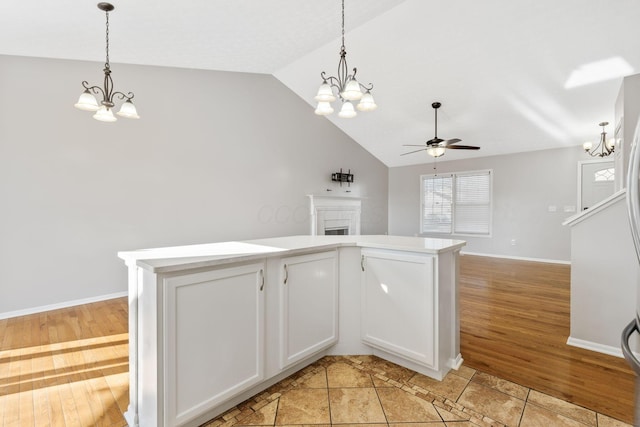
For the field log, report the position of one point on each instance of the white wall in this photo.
(604, 277)
(524, 186)
(216, 156)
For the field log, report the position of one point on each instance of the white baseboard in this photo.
(593, 346)
(59, 305)
(550, 261)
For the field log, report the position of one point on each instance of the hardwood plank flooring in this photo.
(66, 367)
(514, 322)
(69, 367)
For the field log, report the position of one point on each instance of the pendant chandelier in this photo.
(604, 147)
(347, 87)
(88, 101)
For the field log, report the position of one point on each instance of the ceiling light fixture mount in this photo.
(347, 87)
(88, 101)
(604, 147)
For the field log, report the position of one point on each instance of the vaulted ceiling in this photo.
(512, 76)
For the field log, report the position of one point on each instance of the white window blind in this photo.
(437, 204)
(458, 203)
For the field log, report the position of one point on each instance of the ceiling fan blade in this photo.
(411, 152)
(462, 147)
(450, 141)
(413, 145)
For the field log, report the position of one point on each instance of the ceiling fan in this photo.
(436, 146)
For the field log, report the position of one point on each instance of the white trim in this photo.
(521, 258)
(601, 205)
(593, 346)
(56, 306)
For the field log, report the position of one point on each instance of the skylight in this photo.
(598, 71)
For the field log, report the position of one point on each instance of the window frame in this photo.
(454, 176)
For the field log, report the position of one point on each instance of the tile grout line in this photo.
(442, 402)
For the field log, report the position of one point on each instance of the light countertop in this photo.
(164, 260)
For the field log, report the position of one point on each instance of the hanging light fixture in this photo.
(88, 101)
(604, 147)
(347, 87)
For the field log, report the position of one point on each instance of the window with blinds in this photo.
(457, 203)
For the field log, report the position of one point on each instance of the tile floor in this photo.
(349, 390)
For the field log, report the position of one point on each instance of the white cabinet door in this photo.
(398, 304)
(308, 304)
(203, 369)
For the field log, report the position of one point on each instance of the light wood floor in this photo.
(514, 324)
(69, 367)
(66, 367)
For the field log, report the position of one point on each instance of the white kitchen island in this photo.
(211, 325)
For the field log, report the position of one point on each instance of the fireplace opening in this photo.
(336, 231)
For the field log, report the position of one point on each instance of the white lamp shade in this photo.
(435, 151)
(352, 90)
(367, 103)
(87, 102)
(323, 108)
(128, 110)
(611, 143)
(325, 93)
(104, 114)
(347, 111)
(587, 146)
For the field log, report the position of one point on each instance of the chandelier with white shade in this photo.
(348, 89)
(604, 148)
(88, 101)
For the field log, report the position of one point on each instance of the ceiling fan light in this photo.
(128, 110)
(87, 102)
(435, 151)
(325, 93)
(347, 111)
(352, 91)
(323, 108)
(367, 103)
(104, 114)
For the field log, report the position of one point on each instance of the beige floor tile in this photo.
(401, 407)
(264, 416)
(377, 382)
(578, 413)
(361, 425)
(418, 425)
(303, 406)
(317, 380)
(355, 405)
(512, 389)
(535, 416)
(450, 416)
(465, 372)
(461, 424)
(342, 375)
(391, 370)
(450, 387)
(492, 403)
(604, 421)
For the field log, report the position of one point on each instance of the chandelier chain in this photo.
(343, 24)
(107, 39)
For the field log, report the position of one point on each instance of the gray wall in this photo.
(524, 186)
(216, 156)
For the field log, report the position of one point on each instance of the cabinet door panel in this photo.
(398, 304)
(212, 367)
(309, 316)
